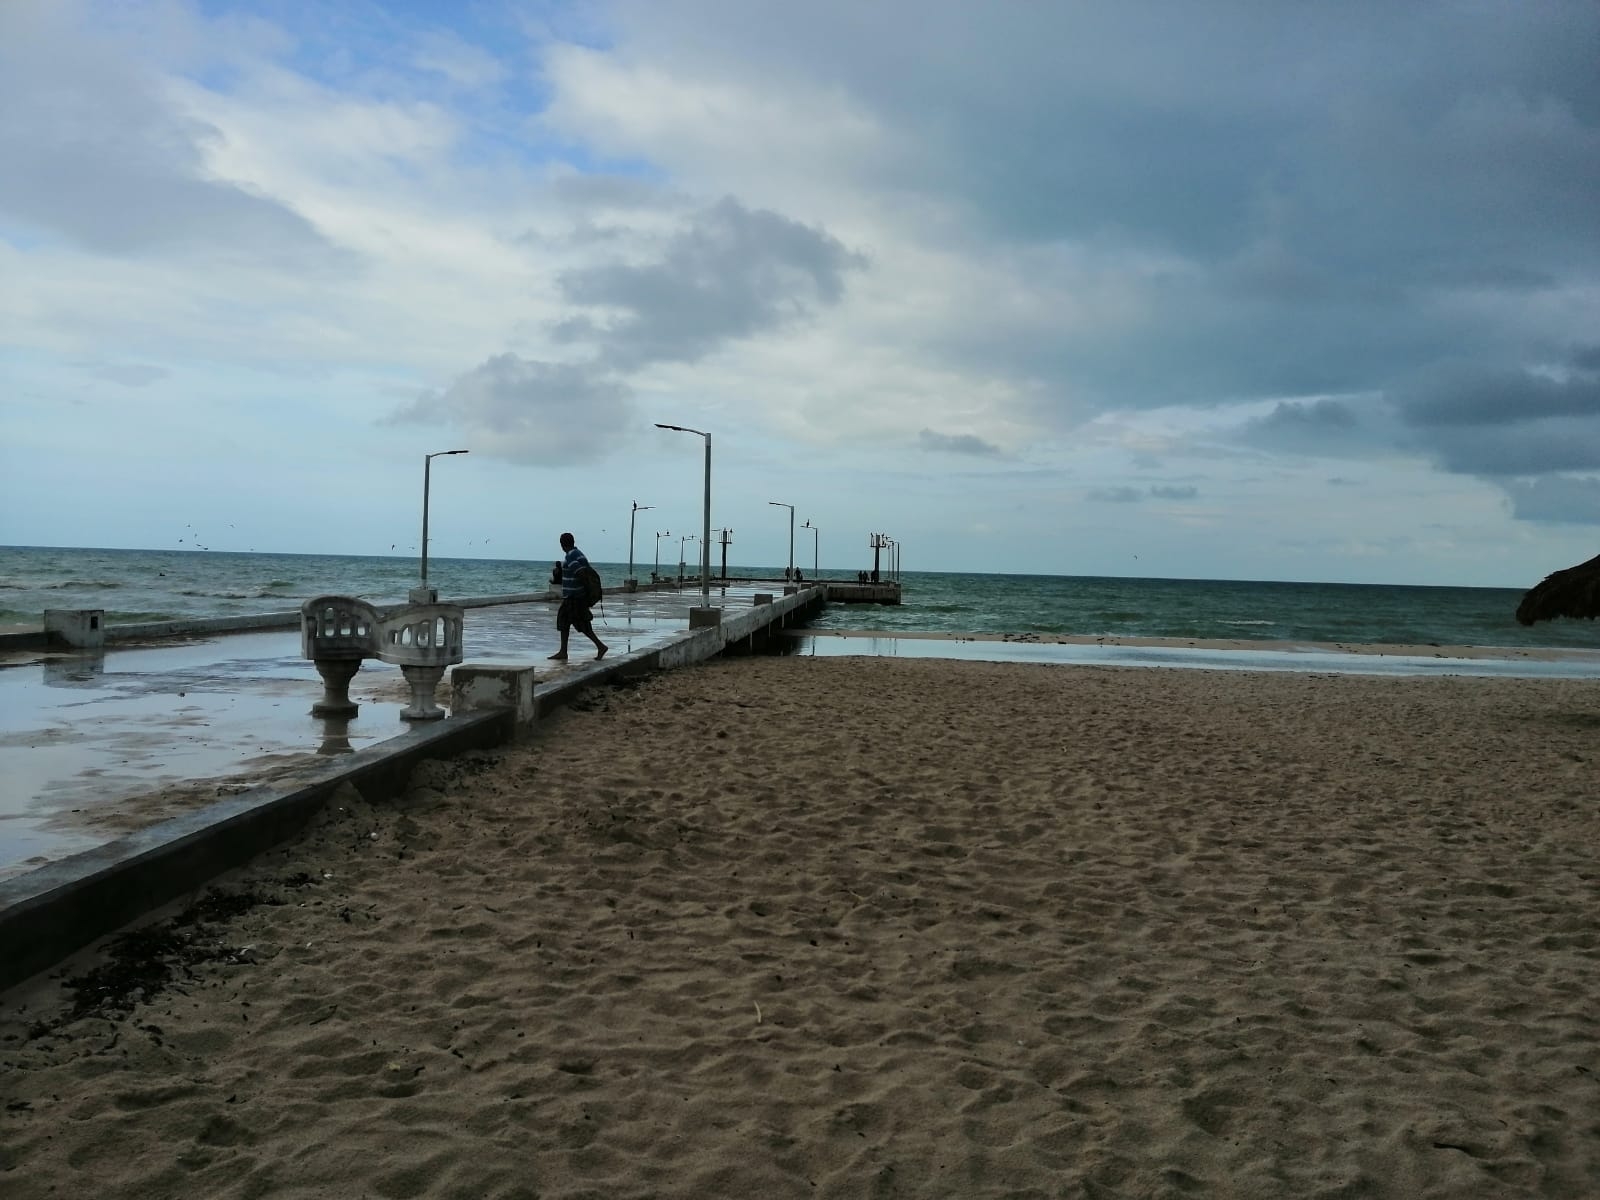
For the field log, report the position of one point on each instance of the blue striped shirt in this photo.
(569, 572)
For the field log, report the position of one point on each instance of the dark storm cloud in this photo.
(552, 414)
(1498, 396)
(959, 443)
(1556, 500)
(1313, 199)
(730, 273)
(1499, 424)
(1328, 426)
(92, 149)
(1529, 448)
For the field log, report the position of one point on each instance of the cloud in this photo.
(133, 375)
(552, 414)
(961, 443)
(1499, 396)
(1493, 421)
(1133, 495)
(1556, 500)
(98, 151)
(730, 273)
(457, 60)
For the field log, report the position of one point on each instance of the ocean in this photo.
(157, 585)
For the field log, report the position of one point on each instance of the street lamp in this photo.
(688, 537)
(790, 507)
(656, 574)
(427, 472)
(816, 541)
(637, 509)
(705, 538)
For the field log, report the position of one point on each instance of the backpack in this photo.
(589, 578)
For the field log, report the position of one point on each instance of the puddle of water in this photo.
(84, 735)
(1307, 660)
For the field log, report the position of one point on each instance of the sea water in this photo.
(157, 585)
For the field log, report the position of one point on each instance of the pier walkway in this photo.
(114, 757)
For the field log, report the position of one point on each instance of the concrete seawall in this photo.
(36, 637)
(54, 910)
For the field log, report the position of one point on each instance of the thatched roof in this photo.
(1574, 592)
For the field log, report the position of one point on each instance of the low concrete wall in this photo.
(50, 912)
(40, 638)
(886, 592)
(57, 909)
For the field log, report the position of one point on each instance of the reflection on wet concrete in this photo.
(74, 670)
(92, 745)
(335, 737)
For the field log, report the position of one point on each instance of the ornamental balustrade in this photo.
(422, 639)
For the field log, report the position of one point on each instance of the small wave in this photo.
(1246, 622)
(218, 595)
(93, 585)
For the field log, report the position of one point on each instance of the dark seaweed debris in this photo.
(143, 963)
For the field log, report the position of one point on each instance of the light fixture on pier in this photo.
(705, 537)
(427, 472)
(790, 507)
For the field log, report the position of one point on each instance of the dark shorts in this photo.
(573, 614)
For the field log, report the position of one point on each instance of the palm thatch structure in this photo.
(1574, 592)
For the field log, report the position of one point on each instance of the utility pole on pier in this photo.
(726, 537)
(878, 541)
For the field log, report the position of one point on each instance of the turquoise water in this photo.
(149, 585)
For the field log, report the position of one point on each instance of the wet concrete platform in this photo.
(94, 745)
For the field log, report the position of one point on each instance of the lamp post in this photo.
(816, 541)
(637, 509)
(688, 537)
(705, 537)
(879, 542)
(790, 507)
(427, 474)
(725, 537)
(659, 535)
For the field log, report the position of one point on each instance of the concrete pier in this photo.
(50, 911)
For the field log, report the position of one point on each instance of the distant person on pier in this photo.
(574, 610)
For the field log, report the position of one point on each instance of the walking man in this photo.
(574, 610)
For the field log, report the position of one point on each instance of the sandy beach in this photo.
(873, 928)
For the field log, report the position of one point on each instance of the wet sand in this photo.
(1240, 645)
(821, 927)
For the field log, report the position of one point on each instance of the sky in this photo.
(1223, 290)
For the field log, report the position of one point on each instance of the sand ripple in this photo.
(815, 927)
